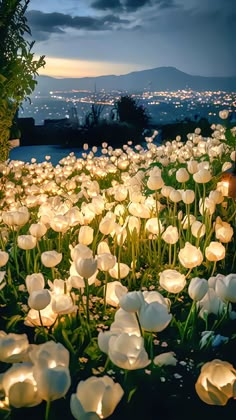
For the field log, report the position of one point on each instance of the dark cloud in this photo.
(114, 5)
(130, 5)
(44, 24)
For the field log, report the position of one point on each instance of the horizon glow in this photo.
(75, 68)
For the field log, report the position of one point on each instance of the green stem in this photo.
(118, 261)
(105, 293)
(87, 299)
(43, 328)
(213, 269)
(139, 325)
(175, 255)
(192, 314)
(47, 411)
(27, 258)
(170, 254)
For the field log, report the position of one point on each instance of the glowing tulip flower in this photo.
(13, 347)
(133, 224)
(198, 229)
(107, 224)
(103, 248)
(175, 196)
(170, 235)
(53, 382)
(16, 218)
(197, 288)
(34, 281)
(48, 317)
(223, 230)
(182, 175)
(216, 382)
(172, 281)
(63, 304)
(188, 221)
(192, 166)
(80, 251)
(188, 196)
(38, 230)
(206, 206)
(49, 354)
(95, 398)
(26, 242)
(139, 210)
(154, 316)
(120, 193)
(115, 290)
(165, 359)
(132, 301)
(190, 256)
(4, 257)
(155, 182)
(154, 296)
(125, 322)
(225, 287)
(86, 267)
(20, 387)
(154, 226)
(166, 190)
(106, 261)
(74, 216)
(215, 251)
(85, 235)
(51, 258)
(120, 234)
(216, 196)
(39, 299)
(211, 304)
(59, 223)
(77, 281)
(119, 271)
(128, 352)
(202, 176)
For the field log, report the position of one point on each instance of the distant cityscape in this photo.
(163, 106)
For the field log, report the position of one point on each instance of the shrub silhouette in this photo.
(128, 110)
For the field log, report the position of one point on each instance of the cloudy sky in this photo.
(98, 37)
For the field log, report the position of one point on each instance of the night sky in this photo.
(99, 37)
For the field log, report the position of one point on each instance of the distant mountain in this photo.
(158, 79)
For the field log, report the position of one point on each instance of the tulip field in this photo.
(118, 282)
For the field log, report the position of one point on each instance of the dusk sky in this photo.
(99, 37)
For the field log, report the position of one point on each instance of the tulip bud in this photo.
(34, 282)
(215, 251)
(51, 258)
(52, 383)
(197, 289)
(225, 287)
(132, 301)
(106, 261)
(26, 242)
(37, 230)
(155, 182)
(170, 235)
(182, 175)
(39, 299)
(86, 267)
(172, 281)
(85, 235)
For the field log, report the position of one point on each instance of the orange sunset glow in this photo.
(64, 67)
